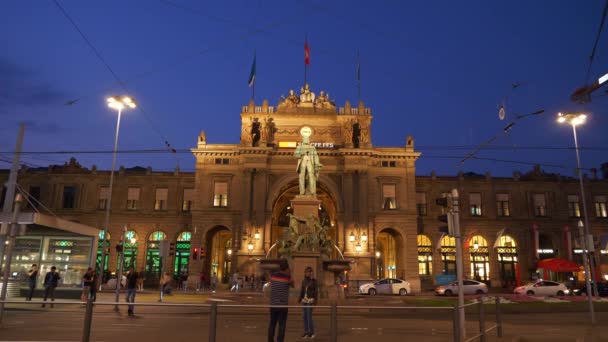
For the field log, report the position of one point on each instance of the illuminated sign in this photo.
(545, 251)
(293, 144)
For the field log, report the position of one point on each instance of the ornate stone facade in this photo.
(380, 214)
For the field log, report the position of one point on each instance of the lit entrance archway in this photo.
(389, 242)
(425, 257)
(219, 245)
(448, 255)
(153, 254)
(100, 247)
(182, 254)
(507, 260)
(282, 207)
(130, 250)
(480, 258)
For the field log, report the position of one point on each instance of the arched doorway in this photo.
(182, 254)
(219, 245)
(100, 247)
(507, 260)
(425, 257)
(480, 258)
(448, 255)
(282, 206)
(130, 250)
(153, 254)
(389, 243)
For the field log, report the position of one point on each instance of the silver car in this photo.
(470, 287)
(386, 286)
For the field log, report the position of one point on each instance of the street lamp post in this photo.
(117, 103)
(575, 119)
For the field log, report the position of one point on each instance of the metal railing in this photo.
(333, 314)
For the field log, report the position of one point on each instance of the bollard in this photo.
(212, 322)
(333, 326)
(498, 318)
(88, 318)
(455, 324)
(482, 321)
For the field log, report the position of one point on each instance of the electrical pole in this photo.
(459, 263)
(14, 227)
(121, 261)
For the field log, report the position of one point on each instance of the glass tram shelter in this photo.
(51, 241)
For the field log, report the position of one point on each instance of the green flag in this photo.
(252, 73)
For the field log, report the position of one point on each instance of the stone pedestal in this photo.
(305, 205)
(298, 264)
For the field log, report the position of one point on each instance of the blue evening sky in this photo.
(432, 69)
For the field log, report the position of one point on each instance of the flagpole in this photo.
(358, 76)
(306, 58)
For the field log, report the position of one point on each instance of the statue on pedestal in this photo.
(308, 166)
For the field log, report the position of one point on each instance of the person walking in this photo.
(235, 282)
(165, 286)
(213, 282)
(32, 279)
(308, 298)
(131, 290)
(51, 280)
(93, 293)
(280, 282)
(87, 283)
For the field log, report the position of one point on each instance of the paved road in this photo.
(64, 323)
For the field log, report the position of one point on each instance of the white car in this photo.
(386, 286)
(470, 287)
(543, 288)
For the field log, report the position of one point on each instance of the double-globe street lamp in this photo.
(117, 103)
(575, 119)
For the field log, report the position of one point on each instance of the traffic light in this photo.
(195, 253)
(447, 215)
(171, 249)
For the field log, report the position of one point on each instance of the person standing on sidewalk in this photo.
(214, 281)
(280, 282)
(51, 280)
(308, 298)
(87, 283)
(131, 290)
(32, 279)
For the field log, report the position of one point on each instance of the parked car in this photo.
(386, 286)
(543, 288)
(470, 287)
(602, 289)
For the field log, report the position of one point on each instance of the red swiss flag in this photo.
(306, 52)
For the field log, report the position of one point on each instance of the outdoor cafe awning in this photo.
(558, 265)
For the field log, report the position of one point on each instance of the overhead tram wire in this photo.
(115, 75)
(597, 40)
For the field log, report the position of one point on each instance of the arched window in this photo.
(425, 256)
(100, 247)
(130, 250)
(507, 259)
(153, 255)
(157, 236)
(182, 254)
(448, 255)
(480, 258)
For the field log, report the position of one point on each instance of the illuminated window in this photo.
(600, 206)
(448, 255)
(421, 203)
(480, 258)
(540, 205)
(133, 198)
(161, 199)
(104, 195)
(502, 205)
(425, 256)
(475, 203)
(388, 194)
(188, 200)
(220, 194)
(574, 209)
